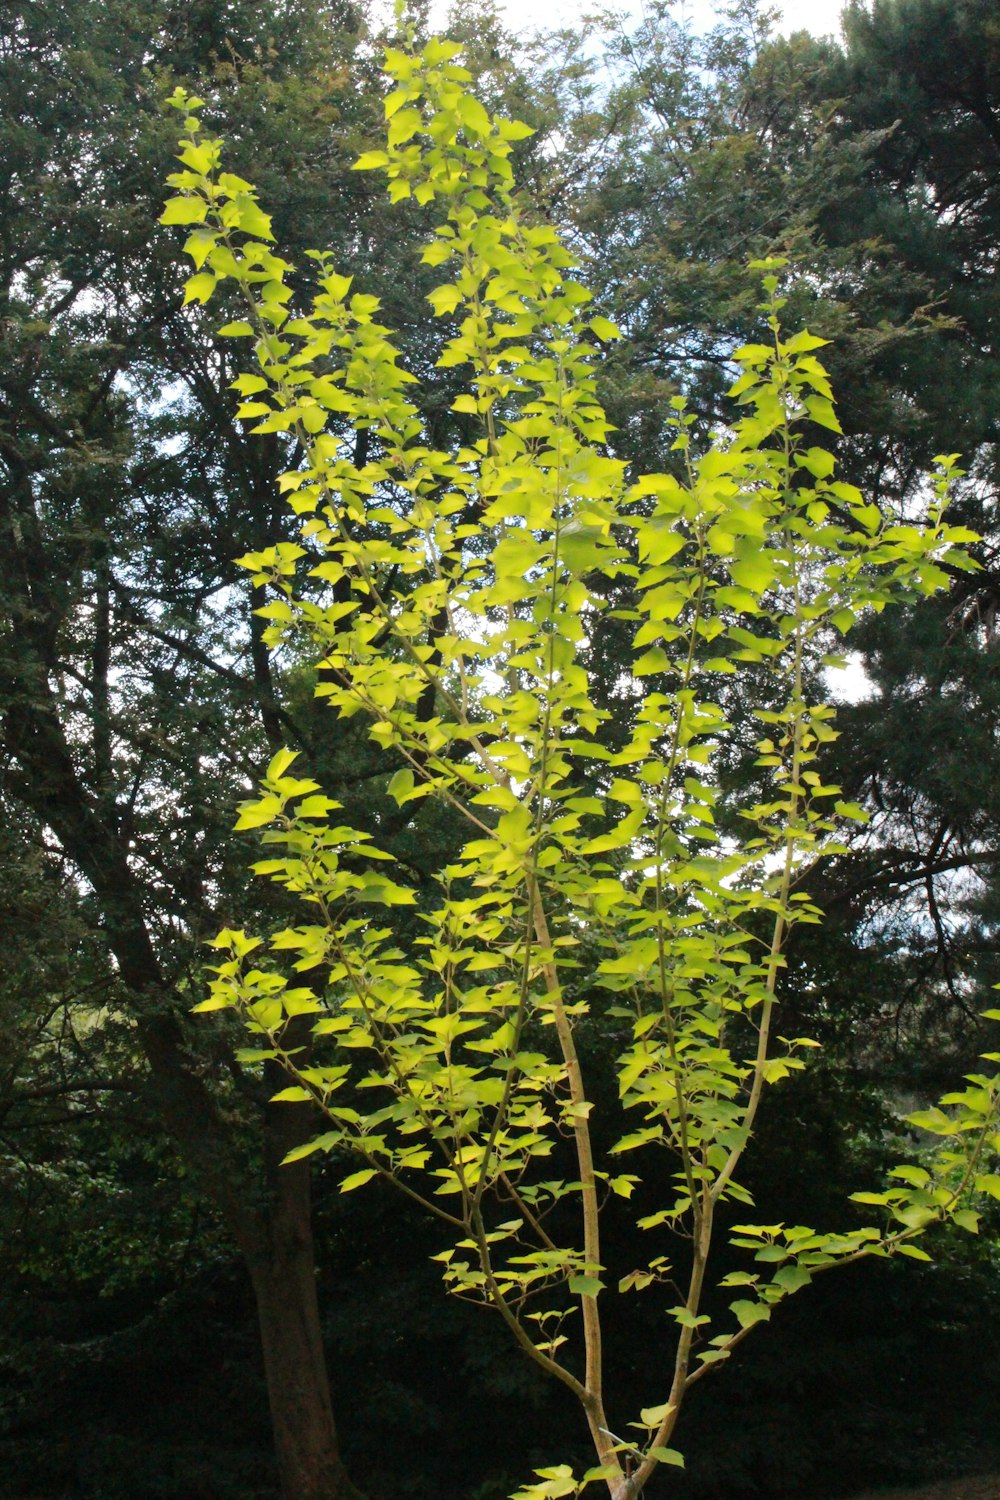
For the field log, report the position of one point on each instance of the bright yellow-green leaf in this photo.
(473, 116)
(321, 1143)
(252, 220)
(585, 1286)
(401, 785)
(184, 211)
(200, 287)
(444, 299)
(257, 814)
(817, 461)
(652, 1416)
(514, 130)
(821, 411)
(357, 1179)
(604, 328)
(369, 160)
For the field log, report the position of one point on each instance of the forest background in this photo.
(158, 1297)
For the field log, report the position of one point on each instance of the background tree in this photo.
(136, 694)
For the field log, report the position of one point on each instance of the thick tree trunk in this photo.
(283, 1272)
(273, 1230)
(305, 1438)
(276, 1242)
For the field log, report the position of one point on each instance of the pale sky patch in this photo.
(849, 683)
(821, 17)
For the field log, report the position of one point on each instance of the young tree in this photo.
(455, 589)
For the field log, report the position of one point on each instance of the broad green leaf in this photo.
(913, 1252)
(257, 814)
(670, 1456)
(401, 785)
(652, 1416)
(748, 1314)
(604, 328)
(585, 1286)
(473, 116)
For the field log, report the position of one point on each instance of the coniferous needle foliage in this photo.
(452, 595)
